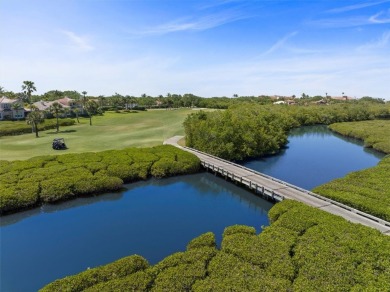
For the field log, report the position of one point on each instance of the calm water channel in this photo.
(158, 217)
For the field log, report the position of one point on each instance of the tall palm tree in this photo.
(56, 108)
(84, 99)
(34, 118)
(28, 87)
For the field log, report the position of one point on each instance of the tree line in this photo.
(251, 130)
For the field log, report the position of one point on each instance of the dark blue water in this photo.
(153, 219)
(314, 156)
(158, 217)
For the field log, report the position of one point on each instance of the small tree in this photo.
(56, 108)
(35, 118)
(77, 112)
(92, 108)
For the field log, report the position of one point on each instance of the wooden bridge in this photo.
(278, 190)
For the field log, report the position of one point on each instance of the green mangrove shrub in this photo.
(48, 179)
(304, 249)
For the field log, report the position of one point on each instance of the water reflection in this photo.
(316, 155)
(61, 206)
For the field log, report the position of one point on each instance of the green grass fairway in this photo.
(111, 131)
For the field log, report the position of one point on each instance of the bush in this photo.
(139, 281)
(204, 240)
(118, 269)
(56, 189)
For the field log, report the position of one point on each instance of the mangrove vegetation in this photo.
(304, 249)
(53, 178)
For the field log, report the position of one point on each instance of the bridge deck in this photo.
(278, 190)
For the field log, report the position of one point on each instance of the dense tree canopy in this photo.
(252, 130)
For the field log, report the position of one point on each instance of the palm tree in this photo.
(17, 106)
(34, 118)
(56, 109)
(84, 99)
(28, 87)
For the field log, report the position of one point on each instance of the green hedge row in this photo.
(20, 127)
(47, 179)
(304, 249)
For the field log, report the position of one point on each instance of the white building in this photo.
(8, 109)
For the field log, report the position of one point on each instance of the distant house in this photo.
(344, 97)
(8, 111)
(43, 105)
(66, 102)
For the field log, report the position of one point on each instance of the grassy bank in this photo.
(111, 131)
(304, 249)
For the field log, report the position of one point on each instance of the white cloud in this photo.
(380, 43)
(381, 17)
(356, 6)
(193, 24)
(280, 43)
(77, 41)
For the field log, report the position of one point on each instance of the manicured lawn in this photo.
(111, 131)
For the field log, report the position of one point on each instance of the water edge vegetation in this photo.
(49, 179)
(304, 249)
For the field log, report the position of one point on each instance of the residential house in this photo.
(344, 97)
(8, 111)
(66, 102)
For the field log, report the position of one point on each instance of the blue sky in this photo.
(208, 48)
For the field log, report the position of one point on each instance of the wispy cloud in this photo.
(280, 43)
(194, 24)
(356, 6)
(380, 43)
(77, 41)
(219, 3)
(381, 17)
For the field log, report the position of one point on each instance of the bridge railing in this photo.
(341, 205)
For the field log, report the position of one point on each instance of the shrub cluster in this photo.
(119, 269)
(366, 190)
(48, 179)
(20, 127)
(304, 249)
(375, 133)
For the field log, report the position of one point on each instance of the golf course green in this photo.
(109, 131)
